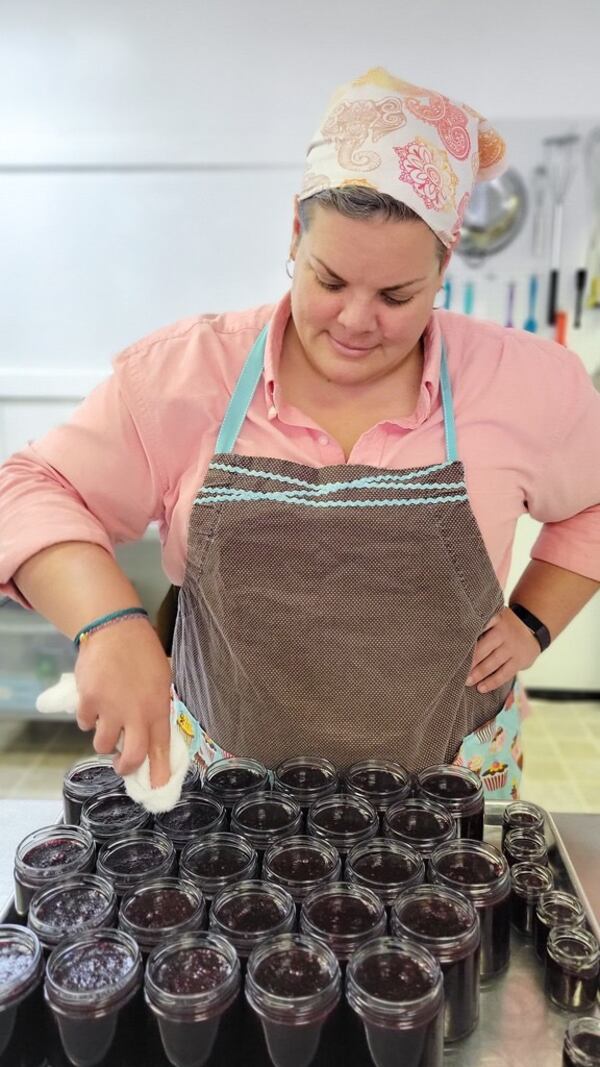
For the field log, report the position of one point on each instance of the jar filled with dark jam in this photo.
(445, 922)
(528, 882)
(190, 982)
(89, 980)
(160, 909)
(381, 782)
(460, 791)
(86, 779)
(192, 783)
(525, 846)
(481, 872)
(384, 866)
(582, 1043)
(344, 821)
(21, 969)
(396, 988)
(48, 855)
(81, 902)
(344, 916)
(218, 861)
(231, 779)
(193, 815)
(300, 864)
(134, 858)
(422, 824)
(522, 815)
(306, 779)
(293, 985)
(554, 909)
(264, 818)
(110, 815)
(249, 912)
(572, 968)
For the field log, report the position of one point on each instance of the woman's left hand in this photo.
(505, 648)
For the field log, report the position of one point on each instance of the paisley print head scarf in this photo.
(414, 144)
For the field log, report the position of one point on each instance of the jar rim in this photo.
(575, 1028)
(376, 1009)
(464, 941)
(590, 956)
(491, 891)
(151, 934)
(46, 834)
(78, 790)
(302, 1008)
(12, 993)
(49, 933)
(247, 888)
(196, 1004)
(264, 796)
(343, 943)
(520, 871)
(559, 896)
(108, 997)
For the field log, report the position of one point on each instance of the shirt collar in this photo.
(430, 381)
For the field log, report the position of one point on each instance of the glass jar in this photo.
(192, 783)
(344, 916)
(554, 909)
(384, 866)
(86, 779)
(48, 855)
(89, 980)
(528, 882)
(396, 987)
(82, 902)
(300, 864)
(22, 969)
(193, 815)
(481, 872)
(522, 815)
(264, 818)
(446, 923)
(249, 912)
(582, 1043)
(190, 982)
(293, 985)
(420, 823)
(572, 968)
(460, 791)
(110, 815)
(132, 859)
(162, 908)
(217, 861)
(306, 779)
(228, 780)
(381, 782)
(525, 846)
(344, 821)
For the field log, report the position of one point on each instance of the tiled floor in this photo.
(561, 743)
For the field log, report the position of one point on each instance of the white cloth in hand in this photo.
(63, 697)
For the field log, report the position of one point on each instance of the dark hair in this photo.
(359, 202)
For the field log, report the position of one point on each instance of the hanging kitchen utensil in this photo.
(561, 321)
(580, 284)
(530, 323)
(495, 215)
(592, 170)
(539, 197)
(561, 164)
(510, 310)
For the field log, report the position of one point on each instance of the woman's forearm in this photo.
(553, 594)
(74, 582)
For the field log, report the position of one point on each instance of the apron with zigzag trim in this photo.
(333, 610)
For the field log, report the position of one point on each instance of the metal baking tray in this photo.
(518, 1026)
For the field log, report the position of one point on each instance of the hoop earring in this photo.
(289, 267)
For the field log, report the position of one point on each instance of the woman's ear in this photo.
(296, 231)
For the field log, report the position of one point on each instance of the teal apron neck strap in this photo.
(251, 374)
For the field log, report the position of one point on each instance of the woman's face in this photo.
(362, 293)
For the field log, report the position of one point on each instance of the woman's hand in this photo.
(123, 681)
(505, 648)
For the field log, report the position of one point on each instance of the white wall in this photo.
(149, 151)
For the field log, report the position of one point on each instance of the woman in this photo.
(349, 466)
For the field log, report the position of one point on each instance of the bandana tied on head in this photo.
(412, 143)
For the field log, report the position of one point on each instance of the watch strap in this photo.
(539, 631)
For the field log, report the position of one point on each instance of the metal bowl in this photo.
(496, 213)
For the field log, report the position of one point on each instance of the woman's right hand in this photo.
(123, 681)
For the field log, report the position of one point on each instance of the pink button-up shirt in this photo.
(137, 449)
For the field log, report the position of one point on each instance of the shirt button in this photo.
(272, 412)
(323, 439)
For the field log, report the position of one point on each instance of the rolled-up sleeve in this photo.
(566, 495)
(92, 479)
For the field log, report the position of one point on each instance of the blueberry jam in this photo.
(390, 976)
(300, 863)
(217, 861)
(192, 970)
(447, 786)
(72, 908)
(136, 856)
(93, 966)
(294, 972)
(53, 853)
(250, 914)
(435, 917)
(469, 869)
(304, 777)
(342, 914)
(157, 908)
(265, 815)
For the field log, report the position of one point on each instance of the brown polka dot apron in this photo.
(332, 610)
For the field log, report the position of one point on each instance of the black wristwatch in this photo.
(539, 631)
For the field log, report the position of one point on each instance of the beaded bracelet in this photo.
(108, 620)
